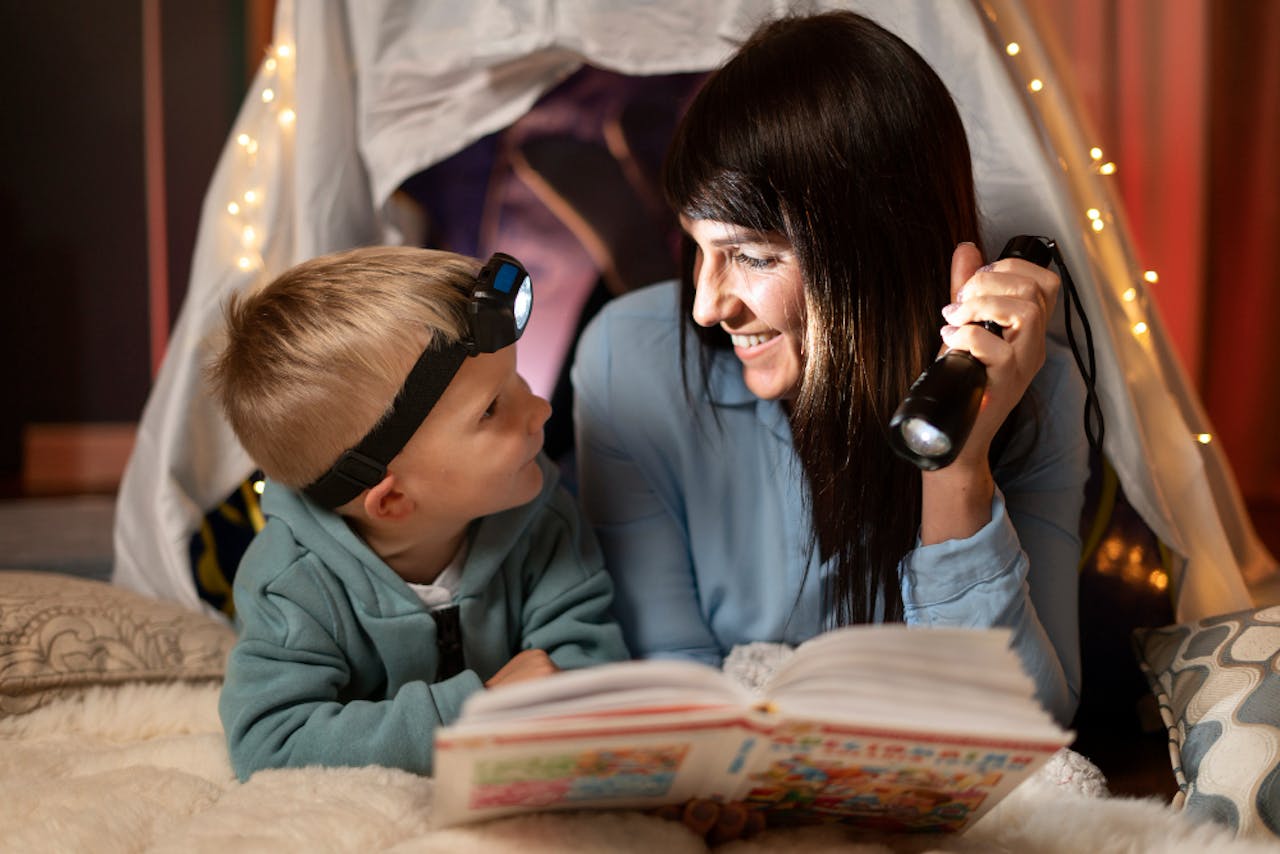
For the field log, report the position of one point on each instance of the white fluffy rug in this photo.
(144, 768)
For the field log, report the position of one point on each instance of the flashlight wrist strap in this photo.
(365, 465)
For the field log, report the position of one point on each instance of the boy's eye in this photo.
(754, 262)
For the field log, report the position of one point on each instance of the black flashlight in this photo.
(931, 424)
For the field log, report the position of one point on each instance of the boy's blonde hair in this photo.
(313, 361)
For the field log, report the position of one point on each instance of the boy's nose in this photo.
(540, 411)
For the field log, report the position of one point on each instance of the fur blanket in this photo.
(144, 768)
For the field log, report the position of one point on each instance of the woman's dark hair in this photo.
(833, 132)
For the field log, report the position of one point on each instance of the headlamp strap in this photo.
(365, 465)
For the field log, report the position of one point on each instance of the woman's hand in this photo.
(715, 822)
(529, 664)
(1019, 296)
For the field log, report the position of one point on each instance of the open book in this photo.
(889, 727)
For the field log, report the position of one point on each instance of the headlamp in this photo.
(501, 302)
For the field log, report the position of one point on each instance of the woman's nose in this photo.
(711, 295)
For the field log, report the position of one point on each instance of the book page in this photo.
(958, 681)
(629, 685)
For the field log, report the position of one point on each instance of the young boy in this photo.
(417, 547)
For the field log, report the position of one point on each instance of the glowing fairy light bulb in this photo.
(1159, 580)
(287, 116)
(250, 197)
(1095, 153)
(233, 208)
(270, 64)
(244, 139)
(268, 95)
(1204, 438)
(1130, 295)
(259, 486)
(1107, 168)
(1013, 48)
(284, 51)
(245, 263)
(1036, 84)
(248, 236)
(1093, 213)
(1140, 328)
(1150, 277)
(1098, 225)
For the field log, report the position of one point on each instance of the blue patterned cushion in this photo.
(1218, 685)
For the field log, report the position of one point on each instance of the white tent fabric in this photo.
(357, 96)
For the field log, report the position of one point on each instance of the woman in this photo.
(735, 463)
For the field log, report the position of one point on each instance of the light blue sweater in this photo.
(337, 657)
(698, 504)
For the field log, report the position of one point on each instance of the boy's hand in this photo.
(530, 664)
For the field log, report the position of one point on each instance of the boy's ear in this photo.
(387, 501)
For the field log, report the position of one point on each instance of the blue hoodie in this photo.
(337, 656)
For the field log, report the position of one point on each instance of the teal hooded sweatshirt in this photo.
(336, 658)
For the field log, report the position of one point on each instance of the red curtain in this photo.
(1185, 98)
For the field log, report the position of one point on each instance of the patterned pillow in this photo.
(1218, 685)
(60, 634)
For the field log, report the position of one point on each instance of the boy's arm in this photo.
(286, 699)
(568, 595)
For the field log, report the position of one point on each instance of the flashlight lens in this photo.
(524, 304)
(925, 439)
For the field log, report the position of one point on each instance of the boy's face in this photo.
(476, 453)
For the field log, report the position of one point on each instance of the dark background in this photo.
(74, 340)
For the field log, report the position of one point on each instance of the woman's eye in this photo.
(754, 262)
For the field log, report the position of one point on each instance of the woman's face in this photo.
(749, 284)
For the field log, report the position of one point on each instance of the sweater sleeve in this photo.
(1021, 569)
(285, 700)
(567, 610)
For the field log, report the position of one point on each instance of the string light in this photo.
(246, 204)
(1095, 153)
(1151, 277)
(1159, 580)
(1130, 295)
(1140, 327)
(259, 486)
(1036, 84)
(1204, 438)
(1012, 48)
(1098, 225)
(1093, 213)
(1108, 168)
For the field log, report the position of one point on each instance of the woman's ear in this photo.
(387, 501)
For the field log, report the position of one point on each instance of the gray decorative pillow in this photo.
(1218, 685)
(60, 634)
